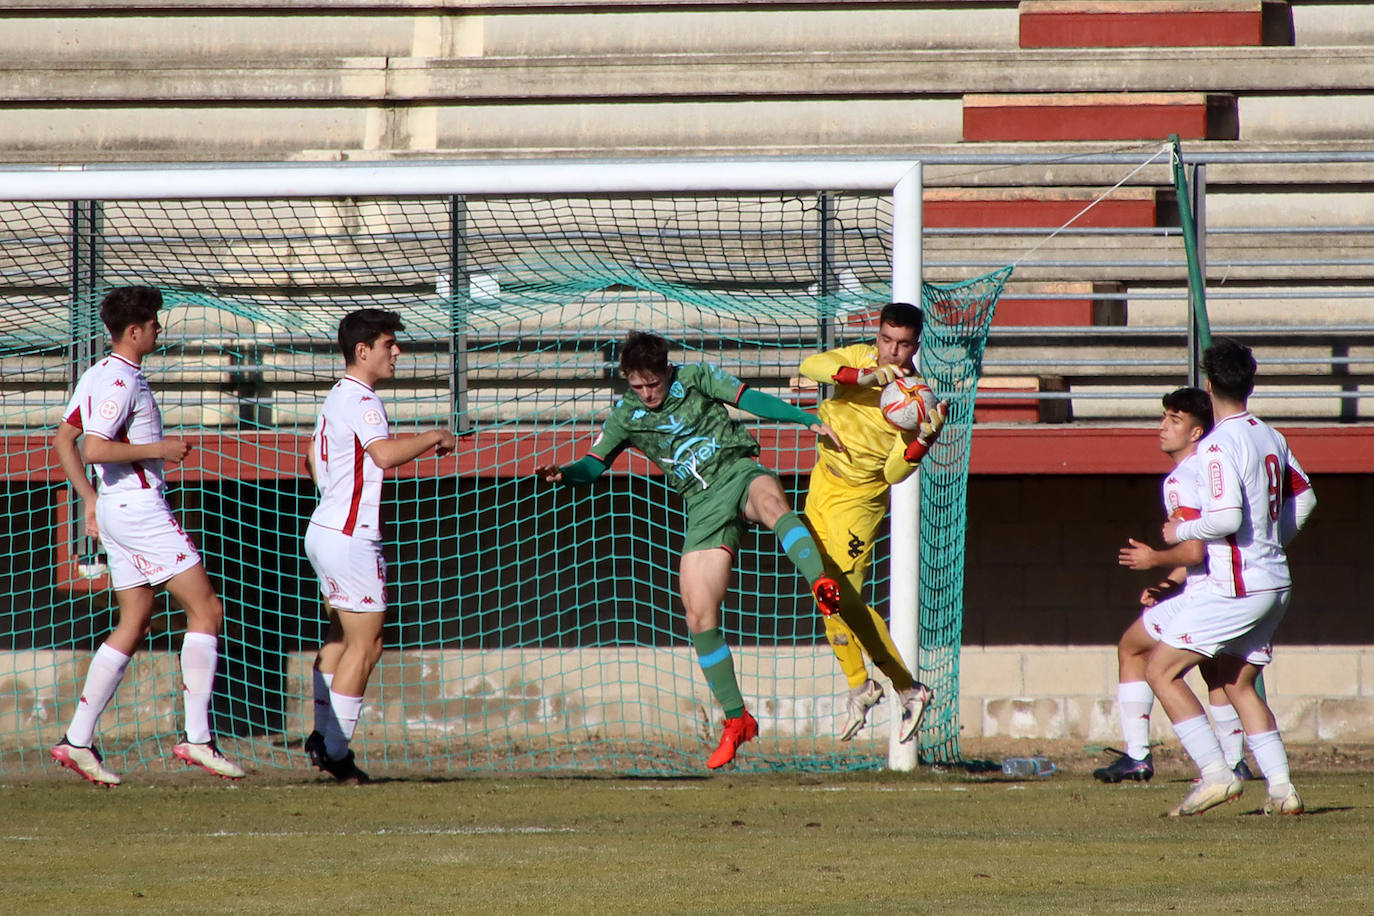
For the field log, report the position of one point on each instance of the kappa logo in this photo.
(119, 383)
(180, 557)
(1213, 449)
(367, 599)
(856, 546)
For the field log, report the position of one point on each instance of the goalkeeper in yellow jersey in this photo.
(848, 497)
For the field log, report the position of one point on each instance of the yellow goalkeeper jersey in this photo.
(874, 455)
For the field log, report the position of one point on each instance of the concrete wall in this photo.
(1045, 605)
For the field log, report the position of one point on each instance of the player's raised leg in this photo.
(704, 576)
(767, 505)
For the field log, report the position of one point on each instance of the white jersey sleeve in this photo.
(1182, 492)
(352, 418)
(114, 401)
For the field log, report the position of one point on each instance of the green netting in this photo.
(531, 628)
(958, 317)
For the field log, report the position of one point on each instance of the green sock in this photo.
(799, 546)
(713, 654)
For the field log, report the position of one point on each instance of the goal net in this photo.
(532, 628)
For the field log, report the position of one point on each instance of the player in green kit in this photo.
(676, 416)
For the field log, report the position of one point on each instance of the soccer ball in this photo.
(907, 402)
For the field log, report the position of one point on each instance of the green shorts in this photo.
(715, 516)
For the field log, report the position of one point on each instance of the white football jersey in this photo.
(1246, 464)
(113, 400)
(1182, 491)
(352, 418)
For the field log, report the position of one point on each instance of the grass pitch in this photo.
(878, 842)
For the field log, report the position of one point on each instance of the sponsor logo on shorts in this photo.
(336, 594)
(146, 566)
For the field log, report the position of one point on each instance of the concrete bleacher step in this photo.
(1100, 116)
(1154, 23)
(706, 72)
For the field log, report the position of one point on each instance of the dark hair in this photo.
(364, 327)
(644, 352)
(129, 305)
(903, 315)
(1230, 367)
(1194, 402)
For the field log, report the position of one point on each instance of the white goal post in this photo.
(900, 179)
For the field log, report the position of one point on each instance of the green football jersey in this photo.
(690, 435)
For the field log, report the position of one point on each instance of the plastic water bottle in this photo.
(1027, 767)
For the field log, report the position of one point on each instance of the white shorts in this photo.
(352, 570)
(1156, 617)
(1212, 624)
(144, 543)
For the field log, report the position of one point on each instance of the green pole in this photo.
(1197, 290)
(1197, 296)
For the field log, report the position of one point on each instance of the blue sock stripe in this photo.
(712, 659)
(793, 536)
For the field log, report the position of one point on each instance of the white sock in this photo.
(1134, 700)
(1229, 733)
(102, 678)
(1200, 742)
(346, 710)
(324, 715)
(1272, 760)
(199, 657)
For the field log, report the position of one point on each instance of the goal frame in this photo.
(900, 178)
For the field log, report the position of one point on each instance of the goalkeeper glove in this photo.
(869, 377)
(927, 434)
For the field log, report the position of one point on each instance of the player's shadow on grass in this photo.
(1325, 809)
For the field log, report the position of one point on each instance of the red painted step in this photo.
(1040, 207)
(1154, 23)
(1101, 116)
